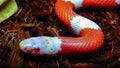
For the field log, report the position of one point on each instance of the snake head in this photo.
(41, 45)
(33, 45)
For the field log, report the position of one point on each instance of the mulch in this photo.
(37, 18)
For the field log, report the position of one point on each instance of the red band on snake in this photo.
(90, 36)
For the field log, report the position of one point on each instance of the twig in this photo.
(26, 15)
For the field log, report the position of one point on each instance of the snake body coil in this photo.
(90, 34)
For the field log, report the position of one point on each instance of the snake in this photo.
(90, 37)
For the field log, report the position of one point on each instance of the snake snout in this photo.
(32, 45)
(26, 45)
